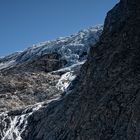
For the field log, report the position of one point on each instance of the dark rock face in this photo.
(105, 102)
(47, 63)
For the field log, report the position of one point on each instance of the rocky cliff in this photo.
(103, 103)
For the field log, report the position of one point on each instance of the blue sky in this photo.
(27, 22)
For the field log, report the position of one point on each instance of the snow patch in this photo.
(6, 64)
(17, 124)
(65, 81)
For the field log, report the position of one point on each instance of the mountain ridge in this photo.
(82, 38)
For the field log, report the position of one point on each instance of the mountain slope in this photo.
(103, 102)
(44, 71)
(53, 55)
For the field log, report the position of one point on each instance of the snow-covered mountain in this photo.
(69, 50)
(39, 75)
(43, 70)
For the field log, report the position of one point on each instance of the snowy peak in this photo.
(69, 50)
(68, 47)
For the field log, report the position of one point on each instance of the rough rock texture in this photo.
(21, 90)
(105, 102)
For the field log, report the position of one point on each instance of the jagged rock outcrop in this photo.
(103, 103)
